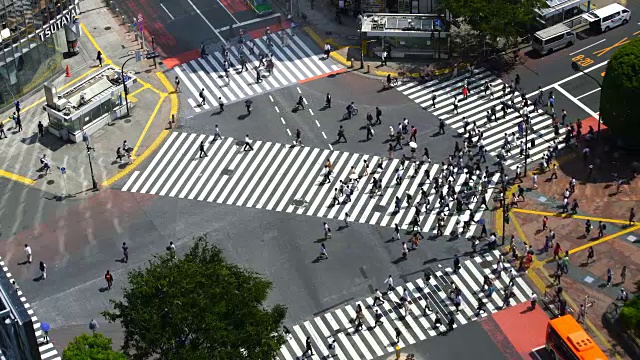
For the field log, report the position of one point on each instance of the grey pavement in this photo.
(22, 150)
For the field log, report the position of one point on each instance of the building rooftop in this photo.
(107, 82)
(402, 23)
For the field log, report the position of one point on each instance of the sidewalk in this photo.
(585, 281)
(151, 105)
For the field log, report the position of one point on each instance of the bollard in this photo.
(351, 66)
(173, 118)
(368, 68)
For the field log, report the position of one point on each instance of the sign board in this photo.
(67, 17)
(138, 57)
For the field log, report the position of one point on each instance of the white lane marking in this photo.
(277, 110)
(288, 132)
(589, 93)
(167, 11)
(299, 92)
(317, 123)
(535, 93)
(323, 134)
(283, 123)
(576, 101)
(270, 98)
(253, 21)
(207, 21)
(584, 48)
(228, 12)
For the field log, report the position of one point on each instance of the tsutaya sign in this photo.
(56, 24)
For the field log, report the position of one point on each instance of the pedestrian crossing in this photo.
(45, 347)
(293, 62)
(475, 108)
(374, 341)
(284, 178)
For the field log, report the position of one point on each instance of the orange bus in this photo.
(567, 340)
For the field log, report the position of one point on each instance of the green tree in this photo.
(619, 105)
(630, 313)
(91, 347)
(495, 19)
(197, 307)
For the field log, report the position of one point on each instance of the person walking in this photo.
(623, 274)
(216, 134)
(99, 58)
(377, 297)
(533, 301)
(203, 99)
(125, 253)
(220, 104)
(327, 230)
(43, 270)
(2, 133)
(19, 123)
(389, 283)
(176, 84)
(308, 348)
(27, 253)
(590, 255)
(323, 251)
(341, 134)
(247, 143)
(377, 317)
(109, 278)
(398, 334)
(40, 129)
(609, 277)
(202, 152)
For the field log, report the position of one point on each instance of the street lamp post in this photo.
(576, 67)
(93, 178)
(124, 85)
(361, 50)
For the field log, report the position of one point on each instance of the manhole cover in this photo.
(353, 37)
(226, 172)
(51, 182)
(126, 121)
(131, 52)
(107, 27)
(379, 208)
(485, 264)
(298, 203)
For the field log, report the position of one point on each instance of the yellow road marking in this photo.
(569, 216)
(603, 239)
(16, 177)
(144, 87)
(95, 44)
(138, 160)
(146, 84)
(543, 287)
(172, 93)
(146, 127)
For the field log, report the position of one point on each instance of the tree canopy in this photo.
(91, 347)
(619, 105)
(198, 306)
(630, 314)
(495, 19)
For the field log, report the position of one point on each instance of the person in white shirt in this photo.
(27, 252)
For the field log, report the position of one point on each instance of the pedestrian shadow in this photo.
(121, 261)
(103, 289)
(38, 279)
(341, 227)
(215, 113)
(23, 263)
(243, 116)
(399, 260)
(436, 134)
(320, 240)
(324, 108)
(318, 259)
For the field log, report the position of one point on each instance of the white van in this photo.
(553, 38)
(610, 16)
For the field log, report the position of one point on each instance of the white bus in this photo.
(610, 16)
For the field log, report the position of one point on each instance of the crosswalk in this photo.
(45, 347)
(475, 108)
(293, 62)
(371, 342)
(283, 178)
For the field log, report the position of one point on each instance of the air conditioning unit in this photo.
(61, 104)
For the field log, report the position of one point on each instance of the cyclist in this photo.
(350, 108)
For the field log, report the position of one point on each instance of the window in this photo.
(554, 39)
(537, 40)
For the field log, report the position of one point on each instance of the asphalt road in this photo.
(592, 51)
(275, 119)
(180, 26)
(80, 239)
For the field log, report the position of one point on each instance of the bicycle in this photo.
(354, 112)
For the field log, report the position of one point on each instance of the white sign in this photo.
(56, 24)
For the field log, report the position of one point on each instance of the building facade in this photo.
(35, 35)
